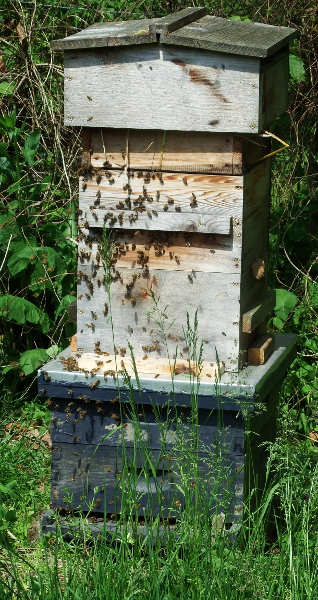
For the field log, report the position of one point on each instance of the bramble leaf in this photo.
(31, 359)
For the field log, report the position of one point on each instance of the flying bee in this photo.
(190, 277)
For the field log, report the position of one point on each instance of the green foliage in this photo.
(285, 303)
(296, 68)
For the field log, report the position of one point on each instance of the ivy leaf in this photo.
(18, 309)
(285, 303)
(32, 359)
(296, 68)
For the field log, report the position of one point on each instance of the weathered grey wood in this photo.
(274, 88)
(176, 20)
(208, 89)
(236, 37)
(256, 203)
(209, 32)
(119, 33)
(71, 311)
(166, 151)
(258, 311)
(208, 253)
(98, 477)
(216, 298)
(116, 424)
(261, 349)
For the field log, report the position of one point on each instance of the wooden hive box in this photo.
(174, 193)
(188, 72)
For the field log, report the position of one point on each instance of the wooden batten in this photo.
(261, 349)
(258, 311)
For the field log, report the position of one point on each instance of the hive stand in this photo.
(174, 193)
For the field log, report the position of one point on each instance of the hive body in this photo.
(172, 298)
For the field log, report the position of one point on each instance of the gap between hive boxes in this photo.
(157, 367)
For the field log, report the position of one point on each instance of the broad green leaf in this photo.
(296, 68)
(53, 351)
(31, 359)
(285, 303)
(31, 146)
(6, 88)
(65, 302)
(18, 310)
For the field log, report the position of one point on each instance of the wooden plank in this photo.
(143, 428)
(154, 366)
(225, 35)
(72, 312)
(86, 147)
(256, 214)
(258, 311)
(191, 151)
(154, 220)
(175, 251)
(261, 349)
(108, 34)
(274, 87)
(179, 202)
(207, 88)
(134, 312)
(210, 32)
(99, 477)
(176, 20)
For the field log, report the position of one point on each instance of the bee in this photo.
(84, 186)
(156, 376)
(158, 196)
(75, 438)
(178, 208)
(145, 357)
(114, 400)
(98, 197)
(159, 175)
(154, 212)
(94, 385)
(149, 214)
(223, 333)
(166, 207)
(144, 329)
(190, 278)
(98, 179)
(185, 181)
(107, 164)
(177, 259)
(80, 297)
(105, 311)
(170, 200)
(94, 315)
(193, 201)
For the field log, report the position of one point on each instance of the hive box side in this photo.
(127, 87)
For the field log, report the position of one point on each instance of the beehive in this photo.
(174, 191)
(187, 206)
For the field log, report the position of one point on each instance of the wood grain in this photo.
(215, 297)
(261, 349)
(169, 151)
(208, 89)
(175, 201)
(258, 311)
